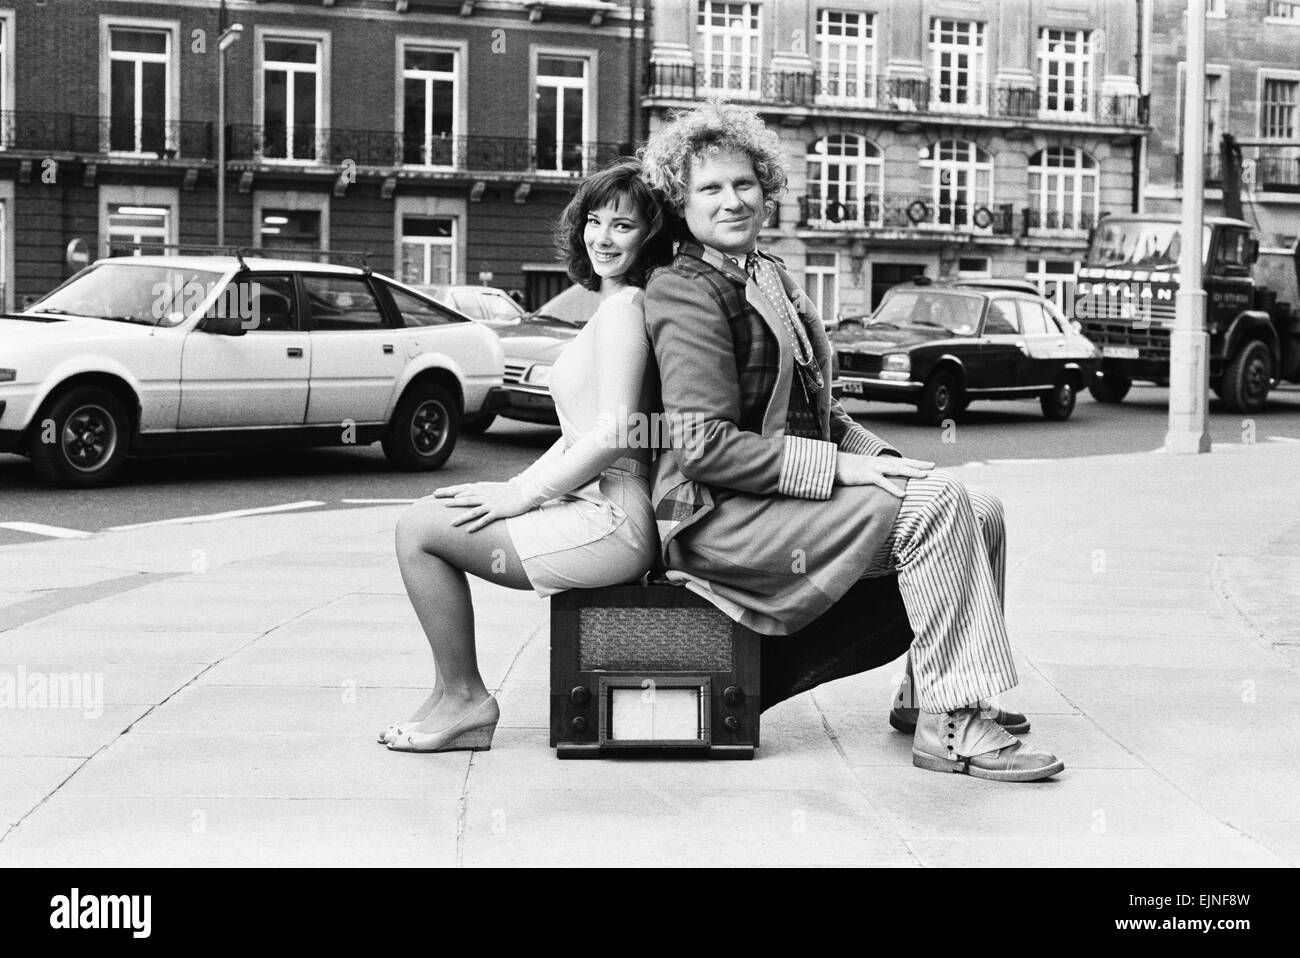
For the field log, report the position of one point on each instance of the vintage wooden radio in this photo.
(651, 669)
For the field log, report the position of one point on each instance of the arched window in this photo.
(961, 185)
(844, 172)
(1062, 189)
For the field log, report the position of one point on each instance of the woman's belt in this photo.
(629, 465)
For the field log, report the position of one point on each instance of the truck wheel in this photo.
(90, 431)
(1247, 378)
(940, 399)
(1109, 386)
(1059, 403)
(423, 430)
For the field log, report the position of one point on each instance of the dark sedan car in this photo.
(942, 346)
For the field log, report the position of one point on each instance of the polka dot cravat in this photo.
(769, 283)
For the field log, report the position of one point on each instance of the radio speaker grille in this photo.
(654, 639)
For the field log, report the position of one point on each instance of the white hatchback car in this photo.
(145, 353)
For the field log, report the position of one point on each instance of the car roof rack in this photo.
(240, 252)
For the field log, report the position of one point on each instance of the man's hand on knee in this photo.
(853, 470)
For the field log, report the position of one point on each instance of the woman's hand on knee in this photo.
(484, 502)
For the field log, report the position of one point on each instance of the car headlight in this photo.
(539, 374)
(896, 366)
(8, 375)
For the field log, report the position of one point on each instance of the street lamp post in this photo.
(228, 36)
(1189, 346)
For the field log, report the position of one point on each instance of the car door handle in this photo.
(388, 349)
(294, 352)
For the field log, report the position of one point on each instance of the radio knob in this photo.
(579, 723)
(731, 722)
(733, 696)
(580, 696)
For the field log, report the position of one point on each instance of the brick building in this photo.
(1252, 91)
(971, 137)
(441, 136)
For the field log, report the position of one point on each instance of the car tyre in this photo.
(1058, 404)
(1247, 378)
(1111, 387)
(423, 430)
(941, 399)
(91, 433)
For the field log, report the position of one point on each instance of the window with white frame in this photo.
(973, 267)
(428, 251)
(1062, 189)
(844, 181)
(135, 230)
(957, 65)
(729, 35)
(1277, 108)
(561, 102)
(429, 97)
(291, 229)
(821, 280)
(291, 98)
(139, 93)
(1065, 71)
(1284, 9)
(1216, 94)
(961, 185)
(846, 57)
(1055, 279)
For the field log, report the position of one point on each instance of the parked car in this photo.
(941, 346)
(145, 353)
(531, 349)
(483, 303)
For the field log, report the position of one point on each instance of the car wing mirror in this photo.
(223, 325)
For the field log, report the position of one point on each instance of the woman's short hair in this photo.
(607, 187)
(715, 127)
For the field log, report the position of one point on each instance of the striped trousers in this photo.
(948, 548)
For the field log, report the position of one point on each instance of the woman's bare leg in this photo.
(434, 556)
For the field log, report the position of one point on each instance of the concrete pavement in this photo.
(247, 665)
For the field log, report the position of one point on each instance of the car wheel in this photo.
(1110, 386)
(941, 398)
(423, 429)
(1059, 403)
(478, 426)
(89, 429)
(1247, 379)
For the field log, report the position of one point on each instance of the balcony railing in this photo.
(313, 145)
(1057, 221)
(1272, 169)
(921, 211)
(902, 94)
(103, 135)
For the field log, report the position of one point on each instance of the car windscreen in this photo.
(149, 294)
(958, 313)
(1150, 245)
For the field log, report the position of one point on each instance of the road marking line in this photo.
(378, 502)
(233, 514)
(36, 529)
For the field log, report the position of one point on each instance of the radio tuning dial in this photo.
(733, 696)
(580, 696)
(579, 723)
(731, 722)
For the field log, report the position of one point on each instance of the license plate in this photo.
(849, 386)
(1120, 352)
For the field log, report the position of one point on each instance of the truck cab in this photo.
(1127, 295)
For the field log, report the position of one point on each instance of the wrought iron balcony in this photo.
(1057, 221)
(1271, 169)
(54, 133)
(311, 145)
(902, 94)
(894, 211)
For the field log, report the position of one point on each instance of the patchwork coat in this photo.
(749, 517)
